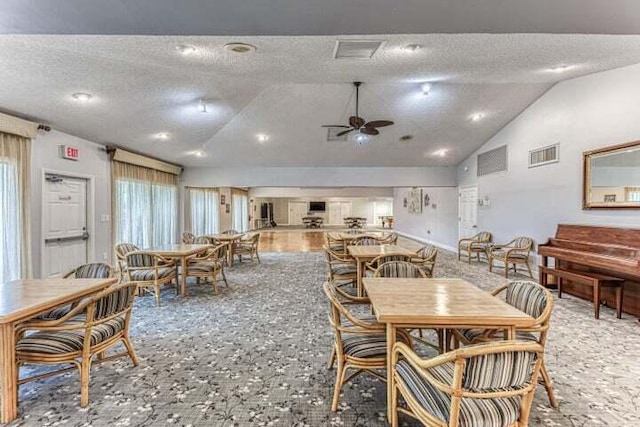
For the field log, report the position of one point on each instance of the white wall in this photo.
(438, 222)
(319, 177)
(581, 114)
(94, 163)
(306, 192)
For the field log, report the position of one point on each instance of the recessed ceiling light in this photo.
(186, 49)
(262, 137)
(560, 69)
(162, 135)
(240, 47)
(441, 153)
(82, 96)
(426, 88)
(476, 117)
(412, 47)
(199, 153)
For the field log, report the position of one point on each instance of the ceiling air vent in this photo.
(492, 161)
(332, 134)
(356, 49)
(544, 156)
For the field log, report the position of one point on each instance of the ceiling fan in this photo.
(357, 123)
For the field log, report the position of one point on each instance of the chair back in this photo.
(95, 270)
(482, 237)
(399, 269)
(122, 249)
(378, 261)
(112, 302)
(230, 232)
(365, 241)
(390, 239)
(202, 240)
(188, 237)
(141, 259)
(428, 253)
(524, 243)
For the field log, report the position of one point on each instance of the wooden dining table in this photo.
(180, 252)
(366, 253)
(229, 239)
(22, 300)
(437, 303)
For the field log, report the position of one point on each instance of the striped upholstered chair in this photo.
(372, 266)
(365, 241)
(341, 268)
(359, 345)
(537, 302)
(488, 385)
(399, 269)
(209, 264)
(426, 259)
(96, 270)
(389, 239)
(122, 249)
(149, 270)
(478, 244)
(188, 237)
(515, 252)
(104, 318)
(248, 247)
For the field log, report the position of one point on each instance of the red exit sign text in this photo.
(68, 152)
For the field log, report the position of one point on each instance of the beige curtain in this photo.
(15, 228)
(145, 205)
(202, 210)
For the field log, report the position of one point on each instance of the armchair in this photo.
(515, 252)
(248, 247)
(426, 259)
(147, 270)
(478, 244)
(489, 384)
(208, 264)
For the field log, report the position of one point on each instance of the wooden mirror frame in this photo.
(586, 182)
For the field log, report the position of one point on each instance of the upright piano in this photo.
(607, 251)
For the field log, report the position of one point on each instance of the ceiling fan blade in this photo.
(379, 123)
(336, 126)
(369, 130)
(344, 132)
(356, 121)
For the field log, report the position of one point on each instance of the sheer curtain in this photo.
(15, 241)
(240, 206)
(202, 210)
(145, 205)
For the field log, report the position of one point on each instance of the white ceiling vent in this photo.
(356, 49)
(544, 156)
(332, 134)
(492, 161)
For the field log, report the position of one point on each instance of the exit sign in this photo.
(69, 152)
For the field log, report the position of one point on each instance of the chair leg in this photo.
(258, 257)
(157, 292)
(131, 351)
(394, 405)
(332, 357)
(506, 269)
(215, 283)
(529, 269)
(548, 384)
(85, 367)
(340, 373)
(490, 265)
(224, 277)
(458, 253)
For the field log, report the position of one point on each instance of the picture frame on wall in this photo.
(415, 200)
(222, 199)
(227, 208)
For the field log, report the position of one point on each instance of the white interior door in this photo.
(345, 210)
(297, 211)
(467, 212)
(335, 213)
(64, 222)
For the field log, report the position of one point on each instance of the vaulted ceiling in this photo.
(142, 85)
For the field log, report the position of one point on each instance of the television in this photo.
(317, 206)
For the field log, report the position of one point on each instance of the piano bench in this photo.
(596, 280)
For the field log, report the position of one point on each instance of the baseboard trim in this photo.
(429, 242)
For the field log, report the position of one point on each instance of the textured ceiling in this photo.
(288, 89)
(314, 17)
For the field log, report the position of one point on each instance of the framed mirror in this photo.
(612, 177)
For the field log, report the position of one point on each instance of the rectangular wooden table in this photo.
(22, 300)
(229, 239)
(366, 253)
(438, 303)
(181, 252)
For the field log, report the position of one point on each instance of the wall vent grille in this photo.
(492, 161)
(544, 156)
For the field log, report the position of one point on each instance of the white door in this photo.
(64, 222)
(467, 212)
(345, 211)
(297, 211)
(335, 213)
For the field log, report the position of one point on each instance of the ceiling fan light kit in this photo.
(357, 123)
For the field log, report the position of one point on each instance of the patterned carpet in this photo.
(256, 354)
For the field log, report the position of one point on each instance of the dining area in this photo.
(449, 352)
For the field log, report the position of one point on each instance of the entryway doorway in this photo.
(467, 212)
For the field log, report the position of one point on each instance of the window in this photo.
(146, 203)
(240, 205)
(202, 211)
(633, 194)
(10, 250)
